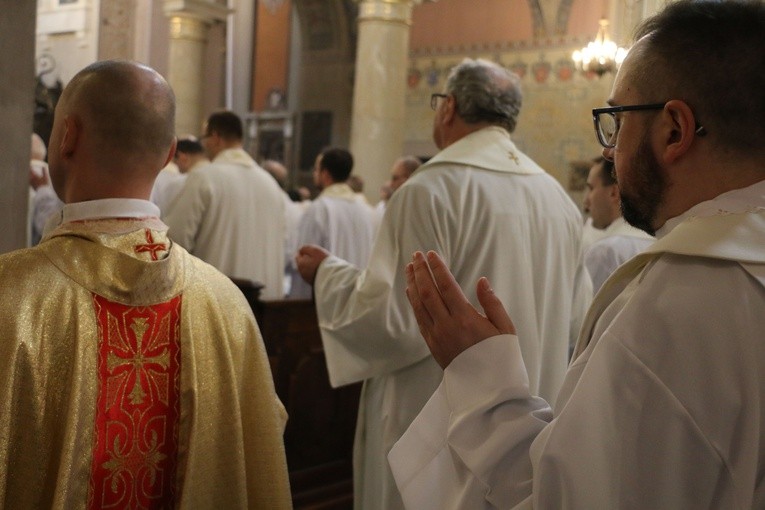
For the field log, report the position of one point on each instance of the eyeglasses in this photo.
(607, 124)
(434, 100)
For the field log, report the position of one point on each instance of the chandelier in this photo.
(600, 56)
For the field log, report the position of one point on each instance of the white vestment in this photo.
(661, 408)
(168, 186)
(489, 211)
(294, 211)
(603, 257)
(231, 214)
(618, 227)
(44, 203)
(160, 196)
(337, 221)
(378, 213)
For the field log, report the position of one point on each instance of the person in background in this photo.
(335, 220)
(482, 203)
(189, 155)
(402, 169)
(618, 241)
(43, 201)
(231, 213)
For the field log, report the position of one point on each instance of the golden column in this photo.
(190, 21)
(377, 122)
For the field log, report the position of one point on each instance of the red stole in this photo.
(136, 425)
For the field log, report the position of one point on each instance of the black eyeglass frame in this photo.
(612, 110)
(434, 100)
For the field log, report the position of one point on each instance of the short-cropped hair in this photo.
(189, 146)
(226, 124)
(607, 176)
(709, 54)
(338, 162)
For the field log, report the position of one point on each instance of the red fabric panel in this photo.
(136, 428)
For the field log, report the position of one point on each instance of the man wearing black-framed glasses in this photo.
(662, 403)
(492, 211)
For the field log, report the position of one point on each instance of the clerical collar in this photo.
(109, 208)
(737, 201)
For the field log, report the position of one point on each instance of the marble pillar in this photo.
(377, 122)
(189, 21)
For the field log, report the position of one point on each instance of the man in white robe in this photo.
(605, 256)
(189, 155)
(402, 169)
(230, 213)
(336, 221)
(662, 405)
(491, 210)
(618, 241)
(293, 212)
(601, 204)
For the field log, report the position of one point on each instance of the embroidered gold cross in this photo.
(138, 360)
(512, 156)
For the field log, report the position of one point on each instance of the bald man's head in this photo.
(114, 125)
(130, 108)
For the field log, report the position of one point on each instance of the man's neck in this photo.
(459, 130)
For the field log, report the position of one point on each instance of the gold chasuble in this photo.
(132, 375)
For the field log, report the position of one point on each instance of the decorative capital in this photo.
(203, 10)
(187, 27)
(396, 11)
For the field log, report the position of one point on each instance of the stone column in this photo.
(377, 122)
(17, 86)
(189, 22)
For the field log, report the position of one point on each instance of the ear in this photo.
(678, 130)
(448, 109)
(613, 193)
(171, 154)
(71, 136)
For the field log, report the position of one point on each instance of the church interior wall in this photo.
(156, 41)
(323, 73)
(68, 32)
(272, 55)
(555, 124)
(534, 39)
(214, 73)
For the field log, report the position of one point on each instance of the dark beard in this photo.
(639, 208)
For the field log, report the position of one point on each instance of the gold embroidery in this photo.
(512, 156)
(134, 455)
(133, 461)
(138, 360)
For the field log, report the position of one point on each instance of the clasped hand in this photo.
(308, 260)
(447, 320)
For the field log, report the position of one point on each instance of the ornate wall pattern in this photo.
(555, 126)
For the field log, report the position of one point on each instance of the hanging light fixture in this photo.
(600, 56)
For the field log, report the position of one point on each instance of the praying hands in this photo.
(447, 320)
